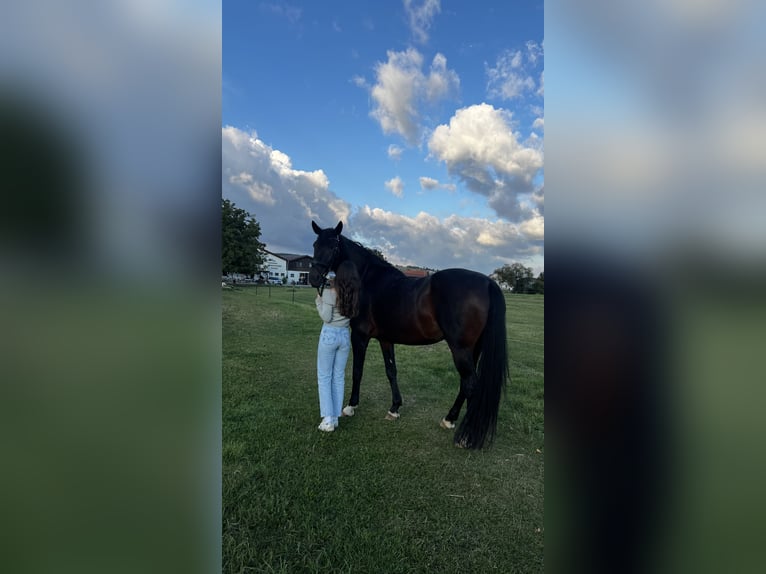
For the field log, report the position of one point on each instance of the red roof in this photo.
(415, 272)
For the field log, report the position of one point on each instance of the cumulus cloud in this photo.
(428, 183)
(533, 229)
(396, 186)
(426, 240)
(402, 87)
(441, 81)
(260, 192)
(479, 147)
(420, 14)
(284, 200)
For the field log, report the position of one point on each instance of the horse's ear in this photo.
(339, 228)
(316, 228)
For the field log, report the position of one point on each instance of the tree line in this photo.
(519, 279)
(243, 252)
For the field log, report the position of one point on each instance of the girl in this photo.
(337, 304)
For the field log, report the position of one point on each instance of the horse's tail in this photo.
(480, 420)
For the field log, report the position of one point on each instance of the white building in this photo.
(278, 266)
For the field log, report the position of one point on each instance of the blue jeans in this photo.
(332, 354)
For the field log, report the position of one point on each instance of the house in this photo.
(298, 267)
(289, 267)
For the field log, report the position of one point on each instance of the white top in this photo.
(328, 311)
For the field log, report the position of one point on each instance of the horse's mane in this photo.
(371, 258)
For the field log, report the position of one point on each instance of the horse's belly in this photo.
(410, 335)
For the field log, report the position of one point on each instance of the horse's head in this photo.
(326, 253)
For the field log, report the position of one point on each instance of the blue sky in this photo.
(419, 124)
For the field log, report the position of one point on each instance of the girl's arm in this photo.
(324, 308)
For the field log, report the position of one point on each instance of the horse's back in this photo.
(457, 283)
(462, 303)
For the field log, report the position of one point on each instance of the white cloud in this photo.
(395, 152)
(420, 15)
(401, 87)
(538, 199)
(480, 148)
(539, 123)
(395, 186)
(291, 13)
(429, 183)
(284, 200)
(506, 83)
(472, 243)
(441, 82)
(260, 192)
(395, 93)
(534, 51)
(512, 75)
(533, 228)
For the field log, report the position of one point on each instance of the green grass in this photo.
(376, 495)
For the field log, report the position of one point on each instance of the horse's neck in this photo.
(357, 257)
(362, 259)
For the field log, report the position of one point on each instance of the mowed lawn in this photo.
(375, 495)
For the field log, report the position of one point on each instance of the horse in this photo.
(462, 307)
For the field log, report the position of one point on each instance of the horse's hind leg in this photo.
(465, 363)
(448, 422)
(390, 362)
(466, 366)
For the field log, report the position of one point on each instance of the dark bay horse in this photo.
(463, 307)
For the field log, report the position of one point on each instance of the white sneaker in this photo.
(326, 425)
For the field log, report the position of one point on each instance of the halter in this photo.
(335, 255)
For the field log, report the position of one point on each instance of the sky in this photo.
(417, 123)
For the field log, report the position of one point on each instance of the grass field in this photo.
(376, 495)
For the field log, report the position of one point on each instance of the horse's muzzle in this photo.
(316, 278)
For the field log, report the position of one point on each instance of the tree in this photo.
(241, 250)
(538, 286)
(516, 276)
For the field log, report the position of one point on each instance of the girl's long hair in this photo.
(347, 285)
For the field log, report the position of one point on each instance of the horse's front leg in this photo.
(390, 361)
(359, 348)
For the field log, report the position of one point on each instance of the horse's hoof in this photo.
(462, 443)
(349, 411)
(391, 416)
(445, 424)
